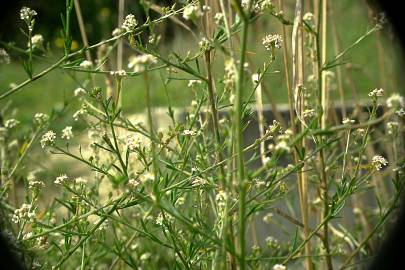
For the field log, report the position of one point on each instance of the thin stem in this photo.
(239, 138)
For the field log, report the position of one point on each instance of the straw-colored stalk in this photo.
(298, 79)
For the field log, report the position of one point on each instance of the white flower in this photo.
(117, 31)
(376, 93)
(133, 183)
(395, 100)
(133, 143)
(188, 132)
(204, 44)
(272, 41)
(61, 179)
(392, 127)
(67, 133)
(308, 17)
(219, 18)
(347, 121)
(220, 198)
(48, 138)
(147, 177)
(279, 267)
(27, 236)
(206, 8)
(118, 73)
(25, 212)
(180, 201)
(10, 123)
(86, 64)
(140, 62)
(159, 219)
(40, 118)
(145, 256)
(266, 5)
(230, 73)
(79, 92)
(130, 23)
(36, 41)
(192, 83)
(245, 4)
(35, 184)
(400, 112)
(379, 162)
(308, 113)
(268, 218)
(282, 145)
(191, 12)
(80, 181)
(4, 57)
(271, 241)
(26, 13)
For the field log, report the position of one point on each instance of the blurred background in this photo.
(371, 64)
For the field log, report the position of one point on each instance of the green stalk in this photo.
(152, 133)
(239, 138)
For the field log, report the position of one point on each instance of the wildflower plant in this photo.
(191, 194)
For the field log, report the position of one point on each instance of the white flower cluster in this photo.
(230, 73)
(48, 138)
(133, 143)
(267, 6)
(61, 179)
(245, 4)
(272, 41)
(25, 212)
(192, 12)
(379, 162)
(140, 62)
(86, 64)
(129, 23)
(11, 123)
(308, 17)
(133, 183)
(118, 73)
(395, 101)
(204, 44)
(36, 41)
(188, 132)
(219, 18)
(272, 242)
(308, 113)
(282, 144)
(80, 181)
(400, 112)
(193, 83)
(348, 121)
(4, 57)
(26, 13)
(279, 267)
(392, 127)
(220, 198)
(40, 118)
(35, 184)
(67, 133)
(268, 218)
(376, 93)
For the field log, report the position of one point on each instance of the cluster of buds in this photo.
(25, 212)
